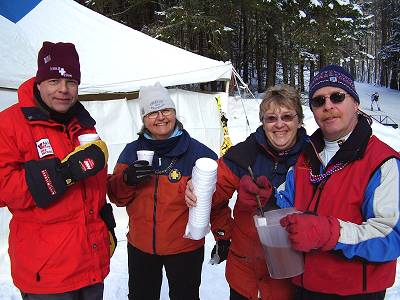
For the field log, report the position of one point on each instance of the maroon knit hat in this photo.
(59, 60)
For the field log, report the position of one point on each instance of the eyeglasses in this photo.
(336, 97)
(164, 112)
(274, 118)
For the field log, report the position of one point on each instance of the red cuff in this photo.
(334, 226)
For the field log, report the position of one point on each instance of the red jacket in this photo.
(65, 246)
(246, 269)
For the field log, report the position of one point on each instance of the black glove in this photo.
(107, 215)
(138, 172)
(220, 251)
(84, 161)
(44, 181)
(48, 179)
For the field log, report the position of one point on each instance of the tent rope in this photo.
(246, 88)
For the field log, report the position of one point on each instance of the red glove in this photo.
(308, 232)
(248, 189)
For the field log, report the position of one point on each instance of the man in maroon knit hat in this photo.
(54, 187)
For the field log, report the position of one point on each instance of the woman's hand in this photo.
(190, 197)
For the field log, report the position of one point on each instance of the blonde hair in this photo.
(282, 95)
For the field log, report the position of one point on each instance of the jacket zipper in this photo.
(155, 214)
(319, 191)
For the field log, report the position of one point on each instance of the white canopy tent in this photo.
(114, 58)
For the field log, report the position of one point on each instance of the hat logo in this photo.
(156, 104)
(47, 59)
(62, 71)
(333, 79)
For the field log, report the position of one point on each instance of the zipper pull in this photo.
(159, 161)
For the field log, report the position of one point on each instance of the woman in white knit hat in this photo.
(154, 198)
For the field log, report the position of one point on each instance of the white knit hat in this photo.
(154, 98)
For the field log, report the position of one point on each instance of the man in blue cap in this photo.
(346, 182)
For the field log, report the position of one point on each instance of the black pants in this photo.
(302, 294)
(183, 273)
(235, 295)
(91, 292)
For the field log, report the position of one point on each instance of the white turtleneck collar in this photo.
(330, 149)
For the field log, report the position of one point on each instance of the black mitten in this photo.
(44, 181)
(83, 162)
(138, 172)
(220, 251)
(107, 215)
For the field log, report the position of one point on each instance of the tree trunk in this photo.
(300, 75)
(245, 58)
(270, 61)
(322, 59)
(312, 69)
(292, 74)
(259, 56)
(394, 79)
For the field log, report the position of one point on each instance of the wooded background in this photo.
(275, 41)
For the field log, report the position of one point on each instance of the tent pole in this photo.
(227, 83)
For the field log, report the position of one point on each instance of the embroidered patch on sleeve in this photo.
(44, 148)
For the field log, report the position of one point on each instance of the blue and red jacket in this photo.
(246, 269)
(157, 210)
(364, 196)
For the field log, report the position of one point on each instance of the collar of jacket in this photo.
(171, 147)
(31, 112)
(352, 149)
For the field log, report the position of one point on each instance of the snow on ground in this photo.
(214, 286)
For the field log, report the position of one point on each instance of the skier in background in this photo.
(374, 99)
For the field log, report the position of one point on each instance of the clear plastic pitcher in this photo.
(282, 260)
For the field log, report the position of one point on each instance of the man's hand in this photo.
(308, 232)
(220, 251)
(248, 189)
(86, 160)
(48, 179)
(44, 181)
(138, 172)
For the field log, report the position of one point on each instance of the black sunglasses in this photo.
(336, 97)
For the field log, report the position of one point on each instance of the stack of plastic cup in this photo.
(204, 178)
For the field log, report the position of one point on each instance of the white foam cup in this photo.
(87, 138)
(145, 155)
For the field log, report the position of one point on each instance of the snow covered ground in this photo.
(214, 286)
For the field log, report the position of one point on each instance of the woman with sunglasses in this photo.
(347, 184)
(154, 199)
(267, 153)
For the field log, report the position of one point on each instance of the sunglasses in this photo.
(164, 112)
(336, 97)
(274, 118)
